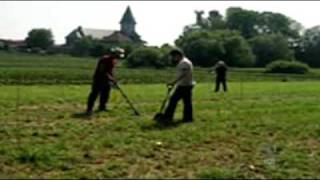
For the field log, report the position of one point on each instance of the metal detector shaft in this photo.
(128, 101)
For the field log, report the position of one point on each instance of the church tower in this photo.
(128, 23)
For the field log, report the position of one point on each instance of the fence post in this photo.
(18, 98)
(241, 87)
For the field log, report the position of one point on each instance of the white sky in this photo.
(159, 22)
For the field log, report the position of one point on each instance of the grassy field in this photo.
(266, 126)
(267, 130)
(61, 69)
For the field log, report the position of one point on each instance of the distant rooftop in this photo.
(118, 37)
(97, 33)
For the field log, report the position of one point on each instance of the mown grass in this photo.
(61, 69)
(256, 130)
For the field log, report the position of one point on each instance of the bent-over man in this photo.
(103, 79)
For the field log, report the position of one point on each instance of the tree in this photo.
(165, 50)
(205, 48)
(204, 52)
(271, 35)
(95, 48)
(200, 47)
(82, 47)
(216, 21)
(242, 20)
(309, 47)
(238, 52)
(252, 23)
(279, 23)
(268, 48)
(40, 38)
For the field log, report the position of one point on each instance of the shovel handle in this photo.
(170, 87)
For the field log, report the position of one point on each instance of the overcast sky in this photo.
(158, 22)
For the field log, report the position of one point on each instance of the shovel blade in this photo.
(136, 113)
(158, 117)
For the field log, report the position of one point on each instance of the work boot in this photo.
(166, 120)
(187, 120)
(88, 113)
(102, 109)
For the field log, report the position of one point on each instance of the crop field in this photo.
(265, 126)
(61, 69)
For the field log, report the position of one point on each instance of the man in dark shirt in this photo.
(221, 73)
(103, 79)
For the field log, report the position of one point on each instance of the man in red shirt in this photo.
(103, 79)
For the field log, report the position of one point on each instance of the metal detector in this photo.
(127, 99)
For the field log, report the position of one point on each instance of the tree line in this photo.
(247, 38)
(242, 38)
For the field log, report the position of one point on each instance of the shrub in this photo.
(98, 49)
(82, 47)
(146, 57)
(293, 67)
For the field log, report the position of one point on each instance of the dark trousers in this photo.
(102, 89)
(184, 93)
(223, 82)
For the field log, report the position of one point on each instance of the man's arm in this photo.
(111, 78)
(185, 71)
(109, 68)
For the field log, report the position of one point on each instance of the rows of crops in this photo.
(33, 69)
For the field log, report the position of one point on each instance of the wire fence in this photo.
(239, 83)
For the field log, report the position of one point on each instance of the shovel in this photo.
(160, 116)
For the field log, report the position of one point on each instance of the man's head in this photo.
(176, 55)
(221, 63)
(117, 52)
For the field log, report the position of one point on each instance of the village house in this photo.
(12, 44)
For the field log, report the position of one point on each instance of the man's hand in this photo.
(170, 84)
(111, 78)
(114, 81)
(114, 84)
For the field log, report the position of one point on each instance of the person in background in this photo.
(221, 75)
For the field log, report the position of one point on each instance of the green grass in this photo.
(266, 126)
(61, 69)
(262, 130)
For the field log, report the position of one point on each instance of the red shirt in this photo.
(105, 66)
